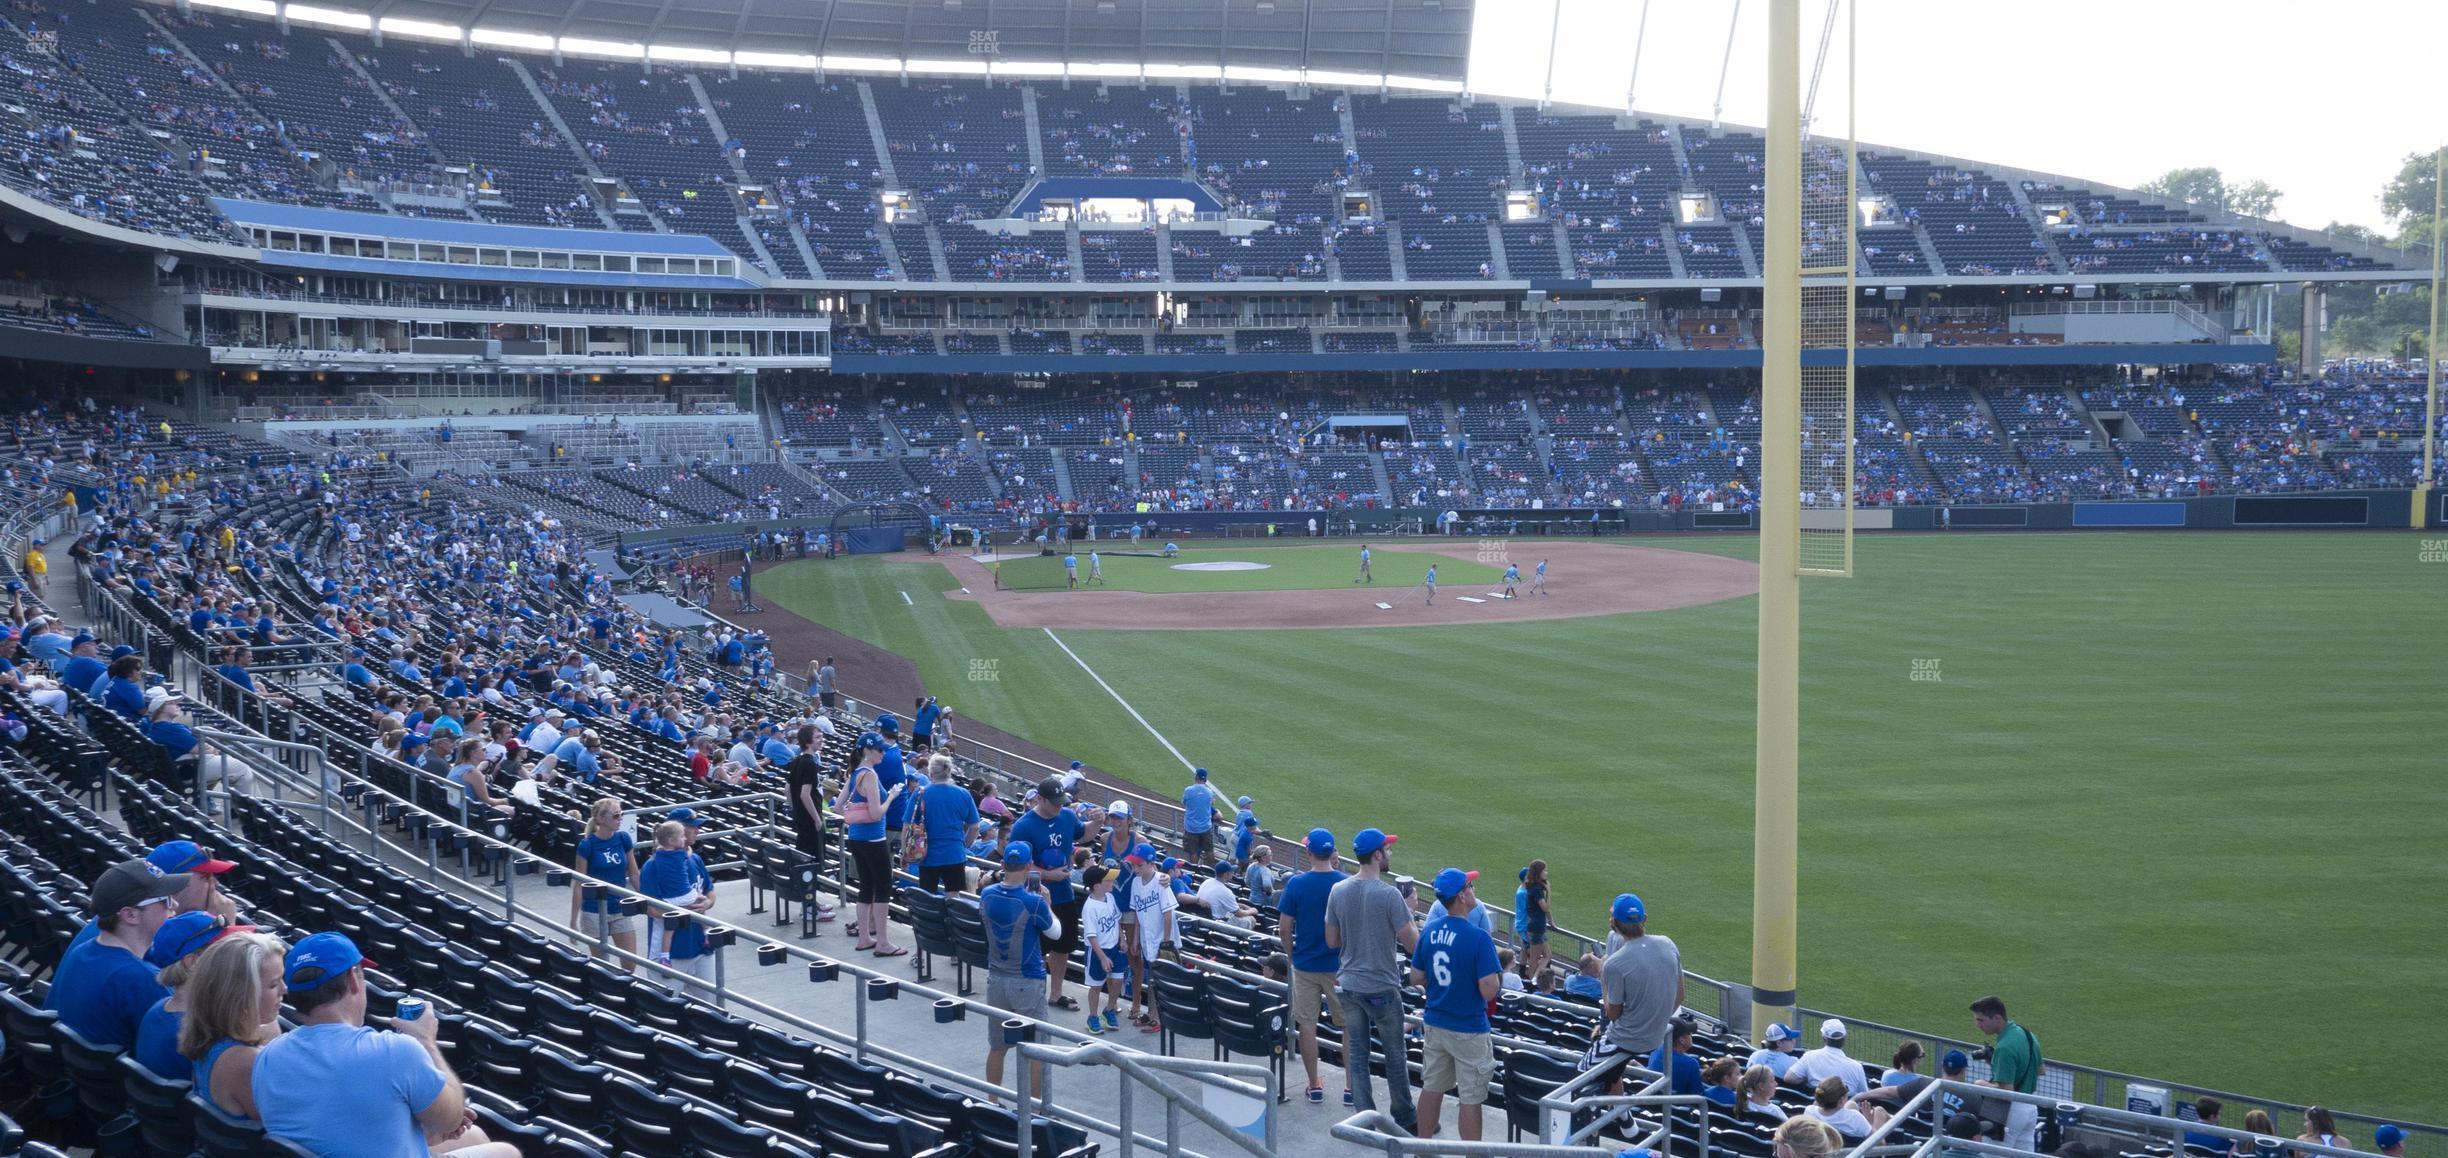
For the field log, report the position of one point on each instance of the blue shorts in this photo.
(1103, 964)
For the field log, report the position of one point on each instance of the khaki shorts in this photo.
(610, 923)
(1462, 1062)
(1308, 989)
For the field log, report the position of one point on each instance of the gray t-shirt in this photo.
(1371, 915)
(1641, 977)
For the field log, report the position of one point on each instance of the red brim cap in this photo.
(214, 867)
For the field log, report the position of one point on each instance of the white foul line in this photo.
(905, 599)
(1134, 712)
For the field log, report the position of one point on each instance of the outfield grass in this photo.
(1286, 569)
(2174, 795)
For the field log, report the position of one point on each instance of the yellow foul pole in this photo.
(1774, 820)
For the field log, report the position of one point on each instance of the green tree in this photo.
(2407, 199)
(2254, 199)
(2202, 185)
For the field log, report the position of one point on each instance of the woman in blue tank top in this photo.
(865, 805)
(233, 1008)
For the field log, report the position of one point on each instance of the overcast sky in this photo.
(2322, 101)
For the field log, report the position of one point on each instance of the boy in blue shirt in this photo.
(102, 988)
(1245, 832)
(1456, 962)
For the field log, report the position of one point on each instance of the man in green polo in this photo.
(2013, 1065)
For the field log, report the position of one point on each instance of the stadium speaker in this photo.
(165, 262)
(1712, 295)
(1895, 293)
(1538, 297)
(2086, 291)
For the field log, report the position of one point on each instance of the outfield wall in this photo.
(2315, 510)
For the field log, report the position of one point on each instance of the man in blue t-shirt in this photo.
(1019, 919)
(1686, 1073)
(922, 727)
(335, 1086)
(1198, 819)
(1456, 962)
(1314, 962)
(1052, 830)
(102, 988)
(950, 817)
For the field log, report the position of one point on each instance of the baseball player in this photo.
(1512, 576)
(1096, 568)
(1171, 549)
(1430, 582)
(1071, 571)
(1538, 579)
(1364, 576)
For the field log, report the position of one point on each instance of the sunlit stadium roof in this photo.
(1405, 40)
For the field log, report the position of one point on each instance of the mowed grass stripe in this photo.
(2168, 791)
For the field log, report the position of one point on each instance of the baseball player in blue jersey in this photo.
(1071, 570)
(1538, 579)
(1430, 582)
(1096, 568)
(1364, 576)
(1512, 576)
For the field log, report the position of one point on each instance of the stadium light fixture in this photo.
(508, 38)
(258, 7)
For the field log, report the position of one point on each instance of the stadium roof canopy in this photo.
(1405, 40)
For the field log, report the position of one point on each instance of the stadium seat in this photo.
(160, 1106)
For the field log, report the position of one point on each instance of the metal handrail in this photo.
(1378, 1130)
(1145, 1069)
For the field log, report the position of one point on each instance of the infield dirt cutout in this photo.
(1585, 579)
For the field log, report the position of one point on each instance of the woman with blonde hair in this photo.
(1807, 1137)
(233, 995)
(608, 853)
(1757, 1094)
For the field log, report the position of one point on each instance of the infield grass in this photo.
(2177, 797)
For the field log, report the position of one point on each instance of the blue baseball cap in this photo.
(1779, 1031)
(1449, 883)
(1198, 774)
(120, 652)
(1017, 855)
(1172, 864)
(1225, 868)
(1954, 1060)
(333, 953)
(1629, 910)
(1370, 840)
(186, 856)
(1243, 802)
(1144, 851)
(1076, 765)
(1320, 842)
(2388, 1135)
(887, 724)
(687, 816)
(871, 741)
(187, 933)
